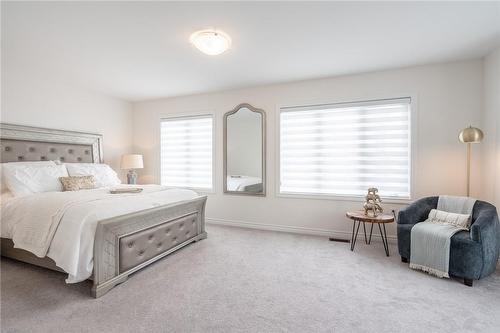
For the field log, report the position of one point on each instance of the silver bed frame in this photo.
(123, 244)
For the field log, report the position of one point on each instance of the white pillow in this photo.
(457, 220)
(3, 187)
(28, 179)
(103, 174)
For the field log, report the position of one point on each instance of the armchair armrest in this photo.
(486, 226)
(417, 211)
(486, 231)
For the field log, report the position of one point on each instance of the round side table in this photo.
(360, 217)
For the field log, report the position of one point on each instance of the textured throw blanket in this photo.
(430, 242)
(458, 205)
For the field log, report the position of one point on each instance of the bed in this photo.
(240, 183)
(121, 243)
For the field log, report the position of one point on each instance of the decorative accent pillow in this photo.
(28, 179)
(77, 183)
(458, 220)
(103, 174)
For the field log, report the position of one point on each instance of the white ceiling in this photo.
(138, 50)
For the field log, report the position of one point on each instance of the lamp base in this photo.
(132, 177)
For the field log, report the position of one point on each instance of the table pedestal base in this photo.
(383, 234)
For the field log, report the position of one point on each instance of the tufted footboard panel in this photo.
(138, 247)
(127, 243)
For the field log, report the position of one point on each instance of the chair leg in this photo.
(468, 282)
(403, 259)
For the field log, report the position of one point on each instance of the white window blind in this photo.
(342, 149)
(186, 152)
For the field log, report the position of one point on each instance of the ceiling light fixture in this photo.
(211, 42)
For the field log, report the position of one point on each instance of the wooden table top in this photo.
(360, 216)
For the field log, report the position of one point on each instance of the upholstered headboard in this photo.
(25, 143)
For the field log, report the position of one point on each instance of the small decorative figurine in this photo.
(372, 205)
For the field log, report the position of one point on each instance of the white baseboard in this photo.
(296, 230)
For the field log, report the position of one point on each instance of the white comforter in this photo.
(61, 225)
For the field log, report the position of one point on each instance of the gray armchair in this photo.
(473, 254)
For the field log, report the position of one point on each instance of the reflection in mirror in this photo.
(244, 144)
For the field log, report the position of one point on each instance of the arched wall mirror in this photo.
(245, 151)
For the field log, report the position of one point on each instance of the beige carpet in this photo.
(242, 280)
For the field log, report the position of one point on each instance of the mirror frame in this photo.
(264, 182)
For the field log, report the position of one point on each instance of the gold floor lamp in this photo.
(470, 135)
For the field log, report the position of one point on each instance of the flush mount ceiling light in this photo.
(211, 42)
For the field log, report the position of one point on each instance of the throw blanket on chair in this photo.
(430, 240)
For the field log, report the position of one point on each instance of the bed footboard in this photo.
(127, 243)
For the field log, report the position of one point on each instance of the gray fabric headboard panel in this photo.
(24, 143)
(19, 151)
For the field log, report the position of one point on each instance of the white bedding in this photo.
(61, 225)
(239, 183)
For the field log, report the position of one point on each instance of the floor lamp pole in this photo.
(468, 169)
(470, 135)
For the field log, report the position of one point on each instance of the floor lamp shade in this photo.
(470, 135)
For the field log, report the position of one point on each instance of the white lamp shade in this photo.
(132, 161)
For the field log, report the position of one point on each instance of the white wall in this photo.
(491, 180)
(448, 98)
(40, 101)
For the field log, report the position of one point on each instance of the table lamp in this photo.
(470, 135)
(132, 162)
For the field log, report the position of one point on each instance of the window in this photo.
(186, 152)
(342, 149)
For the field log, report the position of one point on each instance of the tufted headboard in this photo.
(25, 143)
